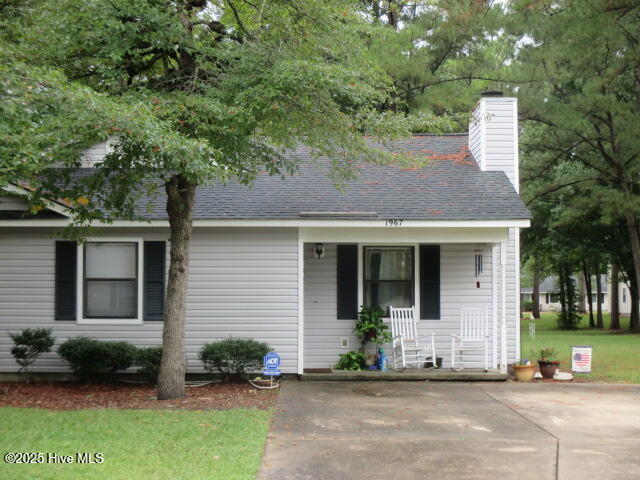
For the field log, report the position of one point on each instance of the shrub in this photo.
(546, 354)
(29, 344)
(527, 306)
(352, 360)
(233, 356)
(93, 359)
(148, 359)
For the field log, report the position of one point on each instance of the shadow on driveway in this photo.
(370, 430)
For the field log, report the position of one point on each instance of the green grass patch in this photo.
(616, 355)
(137, 444)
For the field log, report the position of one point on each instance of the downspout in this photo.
(503, 324)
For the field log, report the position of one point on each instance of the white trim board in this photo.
(401, 235)
(49, 204)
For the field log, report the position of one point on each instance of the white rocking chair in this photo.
(474, 336)
(407, 349)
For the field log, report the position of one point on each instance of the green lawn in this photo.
(137, 444)
(616, 356)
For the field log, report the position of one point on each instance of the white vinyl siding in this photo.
(475, 134)
(242, 282)
(95, 153)
(496, 117)
(323, 331)
(13, 203)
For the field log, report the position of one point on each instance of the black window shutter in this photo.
(347, 269)
(66, 273)
(154, 265)
(429, 282)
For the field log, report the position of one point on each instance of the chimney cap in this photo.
(492, 93)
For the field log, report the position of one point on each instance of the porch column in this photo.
(503, 320)
(300, 302)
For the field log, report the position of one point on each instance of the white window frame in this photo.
(80, 283)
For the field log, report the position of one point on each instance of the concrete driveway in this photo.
(440, 431)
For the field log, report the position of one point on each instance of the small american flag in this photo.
(581, 359)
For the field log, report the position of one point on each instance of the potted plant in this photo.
(372, 331)
(524, 370)
(547, 362)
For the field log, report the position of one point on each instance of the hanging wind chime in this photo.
(478, 265)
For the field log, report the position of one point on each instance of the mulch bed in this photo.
(75, 396)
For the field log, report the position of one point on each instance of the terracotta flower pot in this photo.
(548, 369)
(371, 334)
(524, 373)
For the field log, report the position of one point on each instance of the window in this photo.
(624, 295)
(111, 280)
(388, 277)
(553, 298)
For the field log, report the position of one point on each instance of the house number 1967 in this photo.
(393, 222)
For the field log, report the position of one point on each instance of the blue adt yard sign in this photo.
(271, 363)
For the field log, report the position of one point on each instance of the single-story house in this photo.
(289, 261)
(549, 294)
(550, 300)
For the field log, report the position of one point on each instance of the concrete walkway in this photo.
(371, 430)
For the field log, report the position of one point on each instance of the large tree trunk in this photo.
(614, 298)
(634, 239)
(180, 202)
(587, 282)
(535, 296)
(582, 294)
(599, 320)
(563, 295)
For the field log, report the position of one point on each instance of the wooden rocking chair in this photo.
(474, 336)
(407, 348)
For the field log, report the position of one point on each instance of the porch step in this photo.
(409, 375)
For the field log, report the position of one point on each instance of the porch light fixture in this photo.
(318, 250)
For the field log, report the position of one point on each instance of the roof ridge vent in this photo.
(338, 214)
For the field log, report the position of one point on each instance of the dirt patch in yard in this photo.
(75, 396)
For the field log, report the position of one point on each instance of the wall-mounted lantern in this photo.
(318, 250)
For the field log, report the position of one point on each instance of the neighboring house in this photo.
(549, 295)
(290, 261)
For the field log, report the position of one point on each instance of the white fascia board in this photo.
(405, 236)
(50, 205)
(295, 222)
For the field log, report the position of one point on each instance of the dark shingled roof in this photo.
(449, 187)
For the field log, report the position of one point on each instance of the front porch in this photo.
(465, 270)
